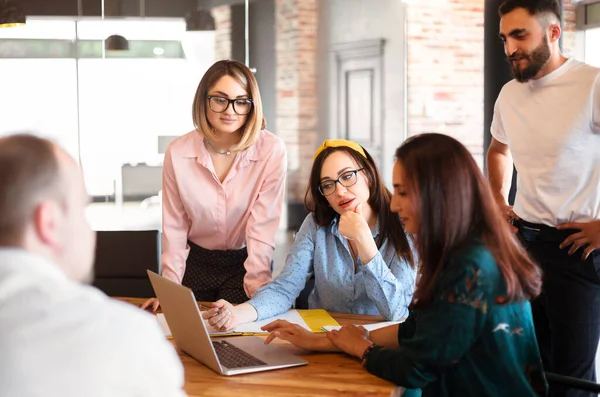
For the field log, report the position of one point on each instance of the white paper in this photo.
(291, 315)
(368, 327)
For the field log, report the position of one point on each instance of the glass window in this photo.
(110, 110)
(125, 105)
(42, 28)
(39, 81)
(39, 96)
(592, 44)
(36, 48)
(137, 49)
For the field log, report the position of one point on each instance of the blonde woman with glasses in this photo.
(351, 242)
(223, 190)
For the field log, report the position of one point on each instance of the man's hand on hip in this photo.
(589, 235)
(507, 211)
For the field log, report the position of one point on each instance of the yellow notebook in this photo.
(312, 319)
(316, 319)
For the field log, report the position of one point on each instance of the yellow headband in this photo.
(337, 143)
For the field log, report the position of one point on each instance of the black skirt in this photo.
(216, 274)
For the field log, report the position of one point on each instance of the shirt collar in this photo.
(195, 148)
(20, 268)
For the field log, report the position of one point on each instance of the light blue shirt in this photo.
(383, 286)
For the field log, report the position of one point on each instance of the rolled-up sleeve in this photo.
(278, 296)
(264, 222)
(390, 287)
(175, 225)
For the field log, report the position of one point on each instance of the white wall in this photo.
(346, 21)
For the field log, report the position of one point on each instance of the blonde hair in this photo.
(255, 120)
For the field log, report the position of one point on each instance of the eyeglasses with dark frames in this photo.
(219, 104)
(346, 179)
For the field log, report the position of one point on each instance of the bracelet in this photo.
(366, 353)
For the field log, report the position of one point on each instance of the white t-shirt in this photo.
(60, 338)
(552, 128)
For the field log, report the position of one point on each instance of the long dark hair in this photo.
(390, 226)
(455, 206)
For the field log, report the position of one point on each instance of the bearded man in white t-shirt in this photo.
(547, 120)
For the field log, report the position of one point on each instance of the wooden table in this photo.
(327, 374)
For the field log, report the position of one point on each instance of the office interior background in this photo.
(372, 71)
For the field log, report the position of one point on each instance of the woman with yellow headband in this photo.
(351, 242)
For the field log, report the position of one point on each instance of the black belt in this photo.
(543, 233)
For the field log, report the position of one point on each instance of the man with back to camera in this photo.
(548, 121)
(58, 337)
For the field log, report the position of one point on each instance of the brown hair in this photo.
(29, 173)
(455, 207)
(379, 199)
(255, 121)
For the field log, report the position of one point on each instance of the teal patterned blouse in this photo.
(466, 342)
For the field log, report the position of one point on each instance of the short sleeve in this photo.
(596, 105)
(497, 127)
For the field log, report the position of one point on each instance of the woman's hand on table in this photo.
(223, 316)
(350, 339)
(151, 304)
(297, 336)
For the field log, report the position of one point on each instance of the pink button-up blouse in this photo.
(243, 210)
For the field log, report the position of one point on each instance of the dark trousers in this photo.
(567, 313)
(216, 274)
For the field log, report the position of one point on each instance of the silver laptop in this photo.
(226, 356)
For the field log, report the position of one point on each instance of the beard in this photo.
(536, 61)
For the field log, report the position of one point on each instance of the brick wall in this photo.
(445, 70)
(296, 48)
(568, 38)
(222, 16)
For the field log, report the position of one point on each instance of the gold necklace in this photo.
(210, 145)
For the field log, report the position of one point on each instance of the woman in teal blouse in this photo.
(470, 330)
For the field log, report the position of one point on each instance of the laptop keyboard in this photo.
(233, 357)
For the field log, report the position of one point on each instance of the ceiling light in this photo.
(116, 43)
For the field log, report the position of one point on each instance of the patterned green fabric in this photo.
(466, 342)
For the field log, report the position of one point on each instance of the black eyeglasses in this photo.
(346, 179)
(218, 104)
